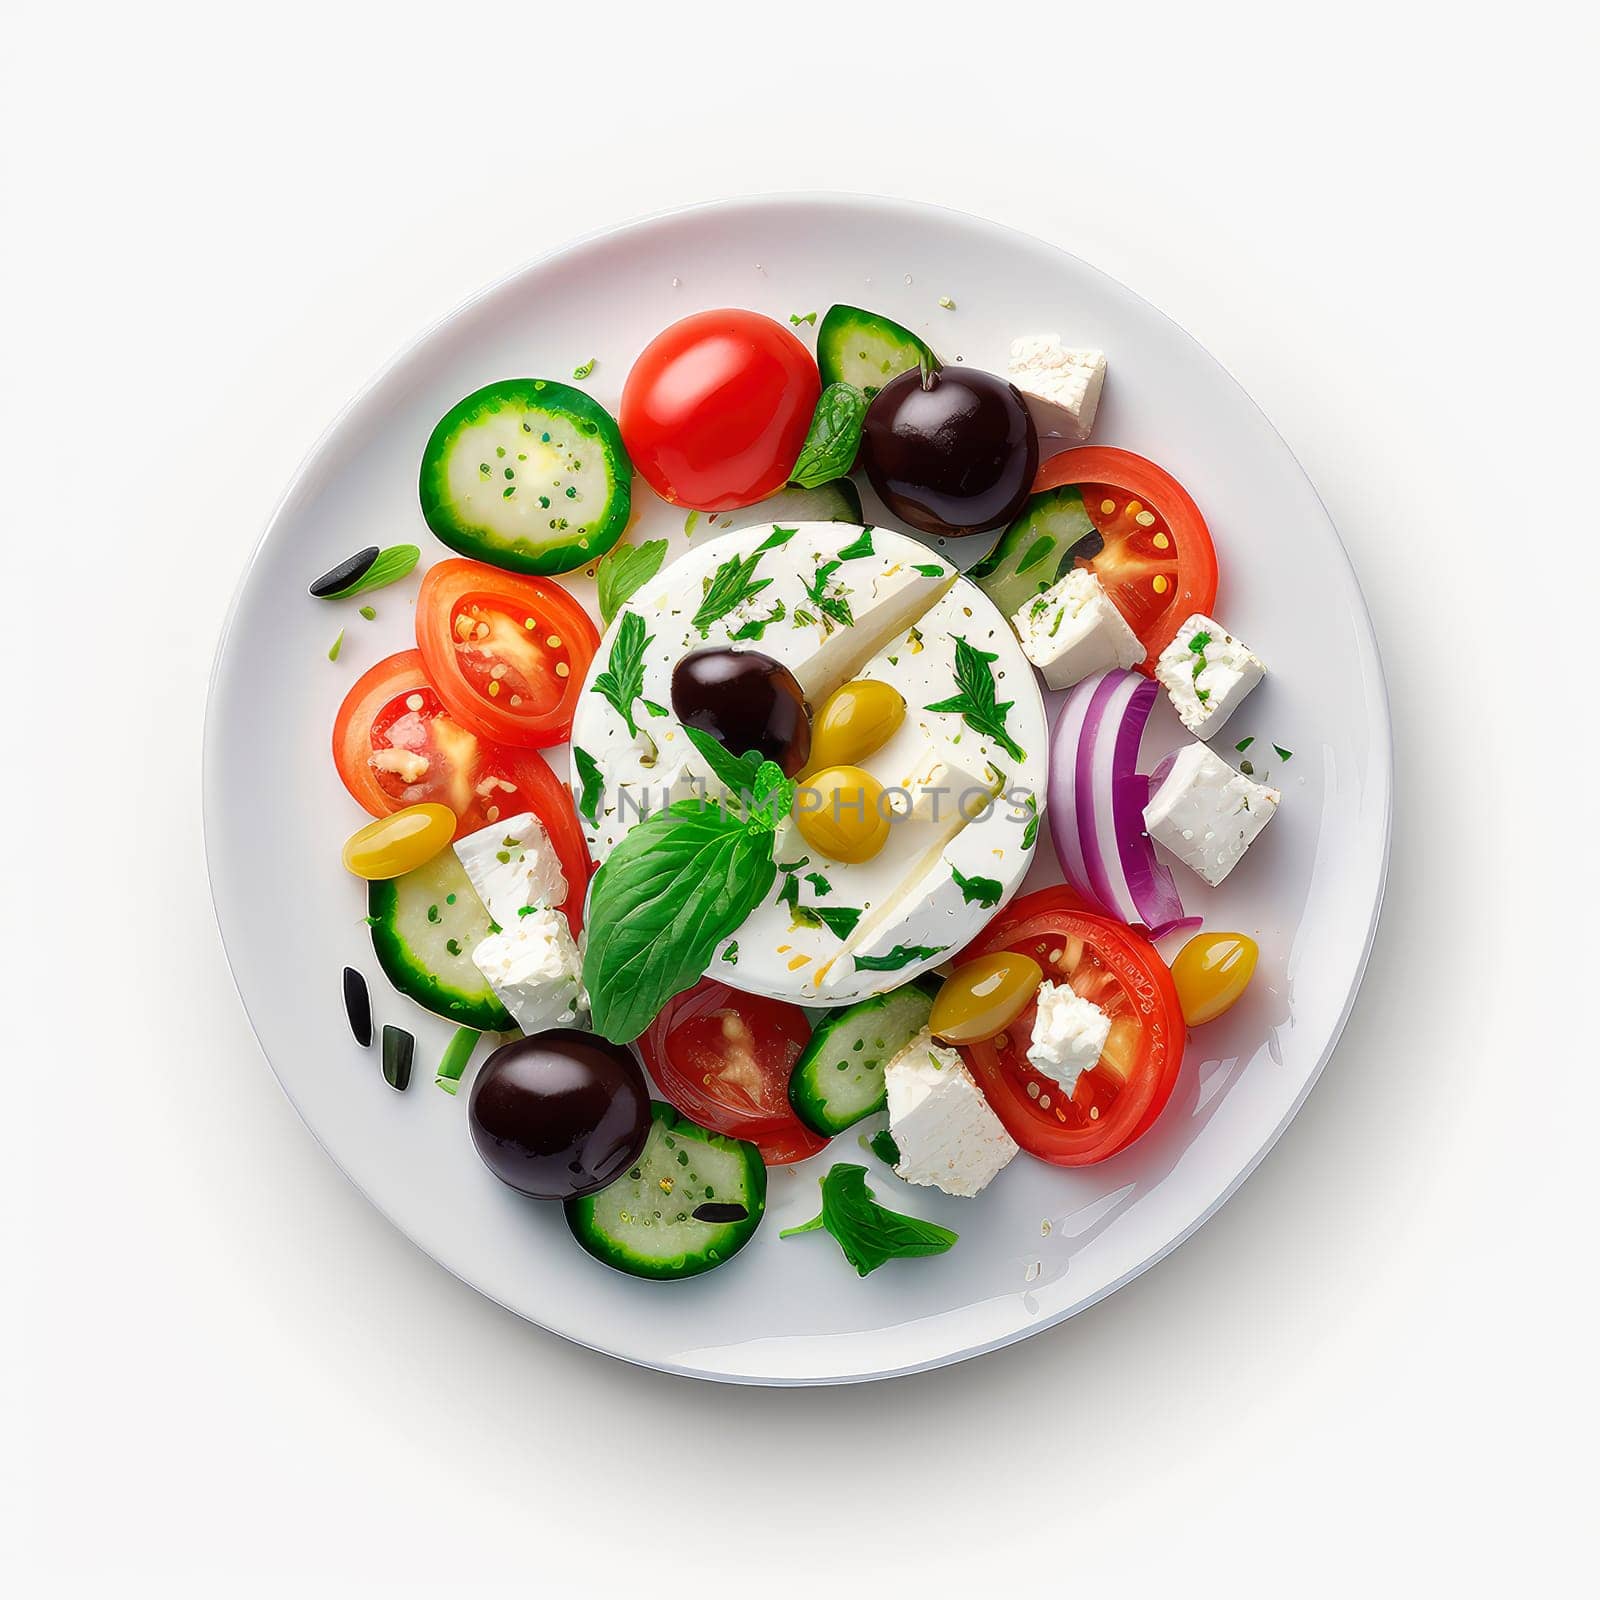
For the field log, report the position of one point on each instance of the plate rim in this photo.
(299, 484)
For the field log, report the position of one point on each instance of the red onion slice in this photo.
(1097, 801)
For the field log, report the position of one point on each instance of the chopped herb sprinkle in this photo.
(369, 613)
(1244, 744)
(797, 321)
(1283, 755)
(336, 646)
(582, 372)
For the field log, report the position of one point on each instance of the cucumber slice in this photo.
(860, 347)
(677, 1210)
(838, 1079)
(528, 474)
(836, 501)
(1035, 550)
(425, 926)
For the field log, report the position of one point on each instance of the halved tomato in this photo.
(1157, 564)
(1117, 1099)
(396, 745)
(723, 1059)
(507, 653)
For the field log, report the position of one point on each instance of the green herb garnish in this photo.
(336, 646)
(834, 607)
(882, 1145)
(929, 570)
(797, 321)
(592, 781)
(1030, 829)
(1248, 768)
(455, 1058)
(870, 1234)
(1244, 744)
(757, 626)
(368, 613)
(901, 956)
(834, 437)
(820, 885)
(390, 566)
(1283, 755)
(580, 373)
(738, 774)
(976, 700)
(858, 548)
(840, 921)
(984, 892)
(624, 571)
(623, 681)
(689, 522)
(731, 954)
(731, 585)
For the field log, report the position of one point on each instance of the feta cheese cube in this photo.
(949, 1138)
(1205, 813)
(1073, 630)
(534, 967)
(1062, 387)
(512, 864)
(1206, 673)
(883, 607)
(1069, 1033)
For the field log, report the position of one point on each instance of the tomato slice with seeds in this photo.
(723, 1059)
(1157, 563)
(1116, 1100)
(396, 744)
(508, 653)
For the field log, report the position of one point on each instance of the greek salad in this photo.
(720, 856)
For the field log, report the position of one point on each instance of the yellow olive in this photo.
(984, 997)
(856, 719)
(841, 812)
(1211, 972)
(397, 843)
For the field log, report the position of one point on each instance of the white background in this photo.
(1373, 1367)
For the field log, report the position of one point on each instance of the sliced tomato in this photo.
(723, 1059)
(1157, 564)
(507, 653)
(1117, 1099)
(396, 744)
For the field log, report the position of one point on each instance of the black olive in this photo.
(358, 1006)
(559, 1114)
(951, 455)
(746, 701)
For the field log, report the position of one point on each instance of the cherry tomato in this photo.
(507, 653)
(716, 408)
(391, 846)
(396, 745)
(1116, 1100)
(723, 1059)
(1157, 562)
(1211, 972)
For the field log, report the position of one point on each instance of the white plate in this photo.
(1042, 1243)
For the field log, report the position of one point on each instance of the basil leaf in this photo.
(390, 566)
(858, 549)
(884, 1148)
(594, 784)
(672, 890)
(901, 956)
(774, 796)
(623, 682)
(624, 571)
(870, 1234)
(982, 892)
(736, 773)
(834, 437)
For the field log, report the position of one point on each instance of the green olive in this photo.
(985, 996)
(857, 718)
(841, 812)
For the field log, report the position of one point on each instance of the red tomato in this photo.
(508, 654)
(1116, 1100)
(1158, 564)
(716, 408)
(393, 718)
(723, 1059)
